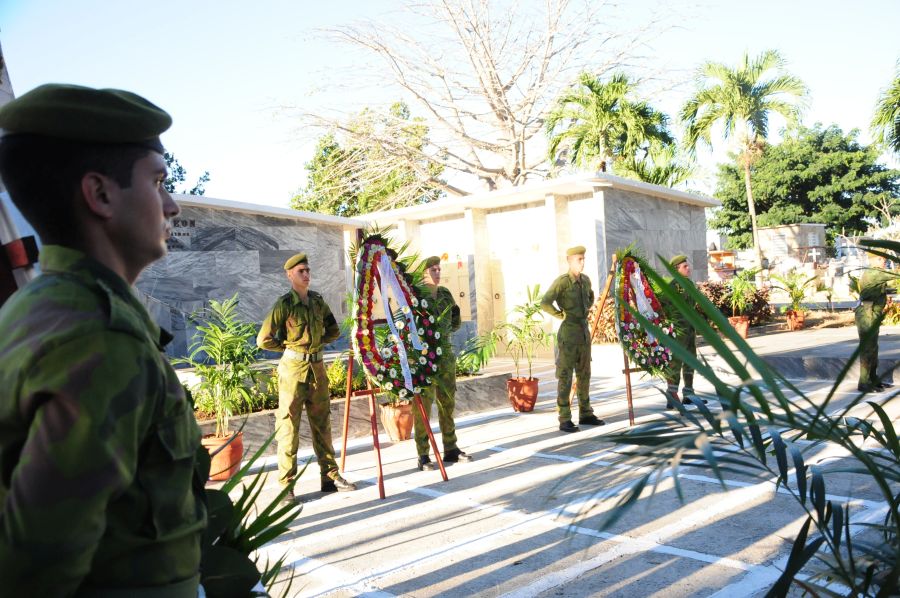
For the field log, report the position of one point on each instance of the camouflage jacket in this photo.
(570, 299)
(97, 441)
(683, 328)
(305, 328)
(446, 313)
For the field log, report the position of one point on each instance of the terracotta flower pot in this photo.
(226, 456)
(522, 393)
(795, 319)
(397, 420)
(741, 324)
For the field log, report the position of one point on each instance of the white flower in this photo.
(405, 309)
(425, 304)
(393, 338)
(365, 332)
(385, 353)
(417, 390)
(414, 301)
(421, 331)
(422, 360)
(431, 319)
(380, 377)
(392, 373)
(437, 335)
(402, 392)
(439, 351)
(427, 380)
(401, 325)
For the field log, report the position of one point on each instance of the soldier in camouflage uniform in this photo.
(101, 470)
(570, 298)
(686, 337)
(872, 299)
(300, 325)
(443, 307)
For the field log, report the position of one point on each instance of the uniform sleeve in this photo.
(549, 300)
(271, 334)
(455, 315)
(590, 292)
(332, 331)
(84, 403)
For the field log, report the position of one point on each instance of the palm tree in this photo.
(595, 122)
(743, 100)
(886, 122)
(660, 166)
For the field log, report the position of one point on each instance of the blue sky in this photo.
(226, 69)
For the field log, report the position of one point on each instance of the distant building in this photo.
(805, 243)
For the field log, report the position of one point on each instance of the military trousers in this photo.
(868, 324)
(573, 357)
(677, 367)
(443, 392)
(300, 385)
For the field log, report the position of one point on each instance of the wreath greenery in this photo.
(635, 294)
(402, 360)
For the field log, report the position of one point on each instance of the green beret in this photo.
(432, 261)
(678, 260)
(88, 115)
(297, 258)
(577, 250)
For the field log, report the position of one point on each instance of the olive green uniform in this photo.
(570, 299)
(301, 330)
(100, 488)
(686, 336)
(872, 297)
(443, 388)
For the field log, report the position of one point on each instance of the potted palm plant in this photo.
(522, 335)
(741, 287)
(796, 285)
(222, 353)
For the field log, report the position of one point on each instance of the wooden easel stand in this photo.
(371, 392)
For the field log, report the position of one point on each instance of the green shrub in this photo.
(337, 378)
(264, 393)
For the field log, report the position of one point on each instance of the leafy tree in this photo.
(178, 174)
(886, 122)
(346, 178)
(595, 122)
(815, 175)
(742, 99)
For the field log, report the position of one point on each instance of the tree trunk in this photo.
(752, 208)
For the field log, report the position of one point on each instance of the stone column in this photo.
(558, 232)
(479, 269)
(600, 247)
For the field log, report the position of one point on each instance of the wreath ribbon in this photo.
(388, 283)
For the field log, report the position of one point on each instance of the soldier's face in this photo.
(140, 214)
(299, 277)
(684, 269)
(576, 263)
(433, 275)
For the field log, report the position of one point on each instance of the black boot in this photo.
(337, 484)
(425, 463)
(568, 427)
(590, 420)
(456, 456)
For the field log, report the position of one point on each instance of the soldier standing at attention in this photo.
(570, 298)
(872, 299)
(101, 471)
(686, 337)
(300, 325)
(443, 389)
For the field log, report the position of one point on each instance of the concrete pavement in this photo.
(523, 518)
